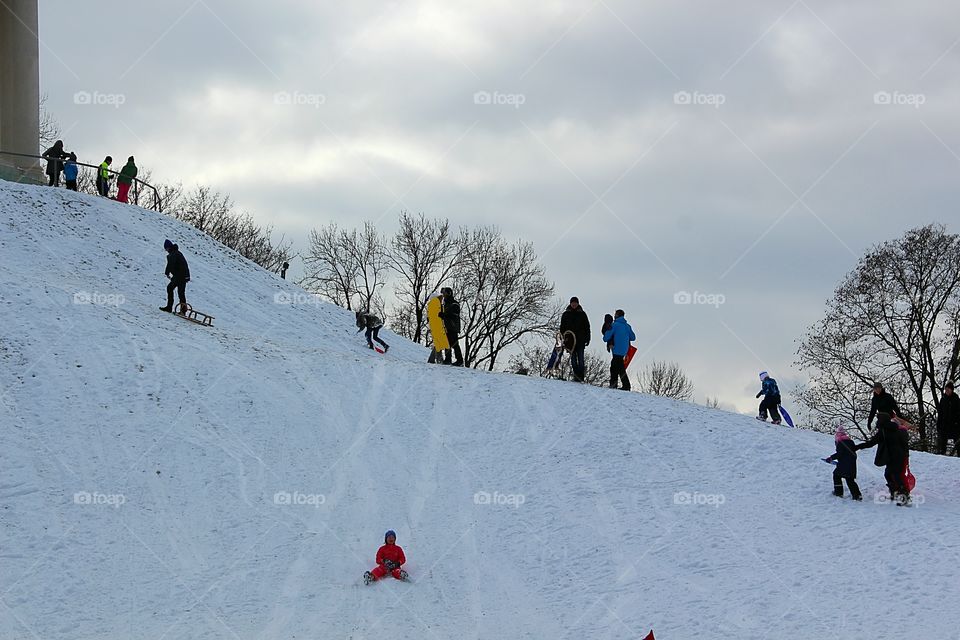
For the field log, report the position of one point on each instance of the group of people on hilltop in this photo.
(617, 334)
(65, 162)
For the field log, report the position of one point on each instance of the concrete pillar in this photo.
(19, 89)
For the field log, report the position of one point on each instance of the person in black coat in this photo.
(450, 314)
(882, 401)
(607, 325)
(948, 420)
(893, 449)
(846, 458)
(179, 274)
(575, 320)
(55, 156)
(373, 324)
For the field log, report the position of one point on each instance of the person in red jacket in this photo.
(390, 559)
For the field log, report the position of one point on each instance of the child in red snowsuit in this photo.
(390, 559)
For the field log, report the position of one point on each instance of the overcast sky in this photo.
(751, 150)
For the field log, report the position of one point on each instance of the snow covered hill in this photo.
(165, 480)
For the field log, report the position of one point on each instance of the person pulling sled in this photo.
(390, 560)
(771, 398)
(373, 324)
(179, 274)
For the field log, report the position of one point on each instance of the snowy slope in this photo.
(146, 464)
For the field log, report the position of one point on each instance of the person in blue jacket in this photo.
(620, 335)
(771, 398)
(70, 170)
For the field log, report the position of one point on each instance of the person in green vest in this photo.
(125, 179)
(103, 177)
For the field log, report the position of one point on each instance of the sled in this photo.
(556, 356)
(786, 416)
(378, 349)
(185, 311)
(627, 358)
(908, 480)
(437, 331)
(569, 341)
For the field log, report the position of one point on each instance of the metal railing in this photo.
(134, 191)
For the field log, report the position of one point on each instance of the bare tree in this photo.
(712, 403)
(665, 379)
(894, 319)
(503, 291)
(347, 267)
(49, 127)
(424, 254)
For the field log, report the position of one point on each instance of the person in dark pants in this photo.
(620, 335)
(373, 324)
(55, 156)
(70, 171)
(882, 401)
(846, 457)
(103, 177)
(607, 323)
(179, 274)
(948, 420)
(450, 314)
(893, 449)
(771, 398)
(575, 320)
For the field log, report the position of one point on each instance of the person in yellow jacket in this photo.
(103, 177)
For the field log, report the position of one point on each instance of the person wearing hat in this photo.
(70, 171)
(179, 274)
(103, 177)
(390, 559)
(125, 179)
(55, 156)
(882, 401)
(575, 320)
(450, 314)
(846, 459)
(771, 398)
(620, 335)
(948, 420)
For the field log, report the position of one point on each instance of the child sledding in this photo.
(390, 560)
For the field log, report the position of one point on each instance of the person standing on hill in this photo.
(450, 314)
(620, 335)
(70, 171)
(771, 398)
(179, 273)
(882, 402)
(55, 156)
(103, 177)
(125, 179)
(893, 450)
(373, 324)
(575, 320)
(948, 420)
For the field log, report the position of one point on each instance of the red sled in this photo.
(626, 363)
(649, 636)
(908, 480)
